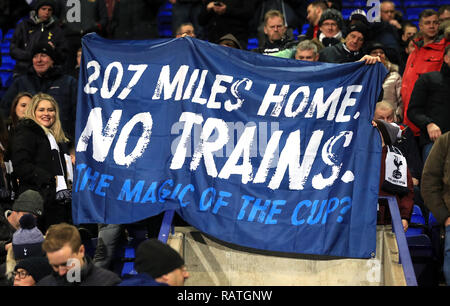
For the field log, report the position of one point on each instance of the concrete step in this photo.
(211, 262)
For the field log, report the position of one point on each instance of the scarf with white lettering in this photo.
(61, 182)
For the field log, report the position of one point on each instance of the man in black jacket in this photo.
(429, 107)
(350, 50)
(47, 77)
(71, 266)
(276, 35)
(40, 27)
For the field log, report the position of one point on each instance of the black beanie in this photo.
(375, 45)
(45, 47)
(40, 3)
(359, 27)
(156, 258)
(37, 267)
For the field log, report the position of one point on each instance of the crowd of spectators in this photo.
(39, 111)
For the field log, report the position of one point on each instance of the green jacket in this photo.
(435, 185)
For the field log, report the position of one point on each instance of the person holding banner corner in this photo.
(392, 181)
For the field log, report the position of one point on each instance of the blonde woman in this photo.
(39, 160)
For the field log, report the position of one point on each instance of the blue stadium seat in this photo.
(305, 28)
(346, 12)
(5, 47)
(422, 3)
(252, 43)
(413, 13)
(6, 78)
(417, 223)
(129, 253)
(425, 266)
(420, 245)
(7, 59)
(354, 3)
(8, 35)
(128, 268)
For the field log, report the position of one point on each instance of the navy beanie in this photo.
(37, 267)
(156, 258)
(27, 240)
(40, 3)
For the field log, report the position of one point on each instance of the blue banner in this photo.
(263, 152)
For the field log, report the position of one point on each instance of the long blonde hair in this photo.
(56, 128)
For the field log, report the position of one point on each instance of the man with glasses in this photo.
(330, 26)
(31, 270)
(427, 56)
(71, 266)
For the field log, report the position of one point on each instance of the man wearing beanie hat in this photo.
(358, 15)
(330, 27)
(27, 240)
(351, 49)
(158, 264)
(46, 76)
(229, 40)
(47, 49)
(29, 201)
(31, 270)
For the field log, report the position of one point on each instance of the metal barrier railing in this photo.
(404, 255)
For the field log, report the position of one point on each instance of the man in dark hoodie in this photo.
(40, 27)
(229, 41)
(47, 77)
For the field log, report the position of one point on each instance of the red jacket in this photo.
(422, 60)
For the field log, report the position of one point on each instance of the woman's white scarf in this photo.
(61, 183)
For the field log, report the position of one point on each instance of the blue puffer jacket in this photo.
(141, 279)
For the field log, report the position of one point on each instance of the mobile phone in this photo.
(217, 3)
